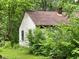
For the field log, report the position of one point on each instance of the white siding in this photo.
(26, 24)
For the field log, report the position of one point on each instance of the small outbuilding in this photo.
(38, 18)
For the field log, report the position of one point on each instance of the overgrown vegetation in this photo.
(60, 42)
(12, 12)
(17, 52)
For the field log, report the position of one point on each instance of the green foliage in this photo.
(11, 15)
(60, 41)
(36, 38)
(18, 53)
(12, 12)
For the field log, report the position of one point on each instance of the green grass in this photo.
(19, 53)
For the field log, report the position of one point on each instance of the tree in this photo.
(11, 14)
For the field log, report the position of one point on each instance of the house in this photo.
(38, 18)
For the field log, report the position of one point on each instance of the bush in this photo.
(35, 41)
(58, 42)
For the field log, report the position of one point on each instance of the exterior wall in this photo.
(26, 24)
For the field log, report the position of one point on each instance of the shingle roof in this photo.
(47, 18)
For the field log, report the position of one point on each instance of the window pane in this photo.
(22, 34)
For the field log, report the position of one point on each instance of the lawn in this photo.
(19, 53)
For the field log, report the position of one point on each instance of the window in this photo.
(22, 35)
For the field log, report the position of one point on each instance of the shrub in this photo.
(59, 42)
(35, 41)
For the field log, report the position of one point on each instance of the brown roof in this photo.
(47, 18)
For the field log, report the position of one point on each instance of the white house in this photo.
(38, 18)
(26, 24)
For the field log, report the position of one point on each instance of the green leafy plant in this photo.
(58, 41)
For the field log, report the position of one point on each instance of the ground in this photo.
(19, 53)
